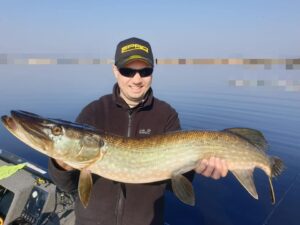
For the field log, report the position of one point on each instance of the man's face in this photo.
(133, 89)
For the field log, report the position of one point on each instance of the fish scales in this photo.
(177, 151)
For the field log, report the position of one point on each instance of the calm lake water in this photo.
(206, 97)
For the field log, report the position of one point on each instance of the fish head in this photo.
(54, 137)
(29, 128)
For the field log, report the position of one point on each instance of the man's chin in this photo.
(136, 98)
(137, 94)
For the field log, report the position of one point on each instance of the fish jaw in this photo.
(9, 123)
(78, 146)
(28, 130)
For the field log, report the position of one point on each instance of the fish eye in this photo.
(56, 130)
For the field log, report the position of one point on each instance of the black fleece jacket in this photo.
(113, 202)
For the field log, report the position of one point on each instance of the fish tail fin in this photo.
(277, 167)
(272, 193)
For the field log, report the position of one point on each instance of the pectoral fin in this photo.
(245, 177)
(183, 189)
(85, 186)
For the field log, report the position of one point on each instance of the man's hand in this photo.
(212, 167)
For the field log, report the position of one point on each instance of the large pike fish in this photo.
(145, 160)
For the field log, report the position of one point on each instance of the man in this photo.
(131, 111)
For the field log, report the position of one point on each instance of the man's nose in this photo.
(137, 76)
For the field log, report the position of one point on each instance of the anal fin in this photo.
(245, 177)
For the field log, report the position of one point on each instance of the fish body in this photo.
(145, 160)
(159, 157)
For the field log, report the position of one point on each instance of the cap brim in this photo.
(123, 62)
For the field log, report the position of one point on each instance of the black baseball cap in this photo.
(133, 49)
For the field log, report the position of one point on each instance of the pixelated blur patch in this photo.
(264, 63)
(3, 59)
(51, 59)
(286, 85)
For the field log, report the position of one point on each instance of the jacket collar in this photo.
(147, 100)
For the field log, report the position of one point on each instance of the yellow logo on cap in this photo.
(132, 47)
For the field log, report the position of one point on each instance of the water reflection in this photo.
(204, 99)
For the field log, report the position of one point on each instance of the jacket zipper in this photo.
(120, 203)
(129, 123)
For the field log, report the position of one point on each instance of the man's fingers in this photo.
(209, 168)
(216, 173)
(221, 169)
(224, 168)
(213, 167)
(201, 166)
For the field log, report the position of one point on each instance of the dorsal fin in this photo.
(255, 137)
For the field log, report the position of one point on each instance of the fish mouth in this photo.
(31, 123)
(9, 122)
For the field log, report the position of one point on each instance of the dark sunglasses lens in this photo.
(146, 72)
(127, 72)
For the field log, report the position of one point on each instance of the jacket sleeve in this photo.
(86, 115)
(173, 123)
(65, 180)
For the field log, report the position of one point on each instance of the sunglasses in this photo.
(128, 72)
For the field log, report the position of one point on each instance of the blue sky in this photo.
(191, 28)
